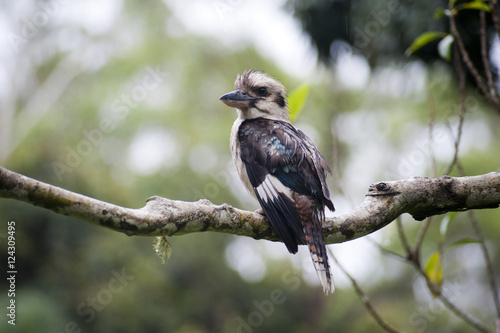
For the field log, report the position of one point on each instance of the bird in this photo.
(280, 166)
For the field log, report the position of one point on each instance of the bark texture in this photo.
(385, 201)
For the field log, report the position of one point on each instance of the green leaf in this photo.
(423, 40)
(460, 242)
(463, 241)
(434, 269)
(440, 12)
(476, 4)
(445, 222)
(444, 47)
(296, 100)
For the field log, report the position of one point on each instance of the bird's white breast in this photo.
(235, 152)
(269, 189)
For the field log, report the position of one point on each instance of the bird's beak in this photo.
(237, 99)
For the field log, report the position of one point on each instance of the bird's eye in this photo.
(262, 91)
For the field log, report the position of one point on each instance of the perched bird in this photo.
(280, 166)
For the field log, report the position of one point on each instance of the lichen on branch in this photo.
(385, 201)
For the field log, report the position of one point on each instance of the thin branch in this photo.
(41, 101)
(494, 15)
(402, 236)
(461, 86)
(385, 201)
(492, 98)
(413, 256)
(474, 222)
(435, 290)
(426, 223)
(489, 266)
(484, 52)
(389, 252)
(421, 234)
(364, 298)
(432, 118)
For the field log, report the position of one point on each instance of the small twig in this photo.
(489, 266)
(402, 237)
(461, 88)
(461, 170)
(389, 252)
(494, 16)
(477, 230)
(492, 98)
(435, 290)
(432, 118)
(335, 157)
(364, 298)
(421, 234)
(484, 52)
(426, 223)
(413, 257)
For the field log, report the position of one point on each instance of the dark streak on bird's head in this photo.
(257, 95)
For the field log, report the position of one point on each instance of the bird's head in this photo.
(258, 95)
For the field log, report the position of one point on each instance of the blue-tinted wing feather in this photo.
(288, 154)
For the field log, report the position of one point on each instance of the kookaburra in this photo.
(280, 166)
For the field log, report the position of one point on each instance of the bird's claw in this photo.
(260, 211)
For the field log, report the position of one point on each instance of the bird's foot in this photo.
(260, 211)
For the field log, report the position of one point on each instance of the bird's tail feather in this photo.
(312, 218)
(319, 257)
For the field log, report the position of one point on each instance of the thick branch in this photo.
(384, 202)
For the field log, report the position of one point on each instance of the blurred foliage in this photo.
(382, 30)
(296, 101)
(135, 113)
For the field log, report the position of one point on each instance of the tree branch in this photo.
(490, 95)
(385, 201)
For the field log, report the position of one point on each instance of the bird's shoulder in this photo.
(274, 138)
(277, 148)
